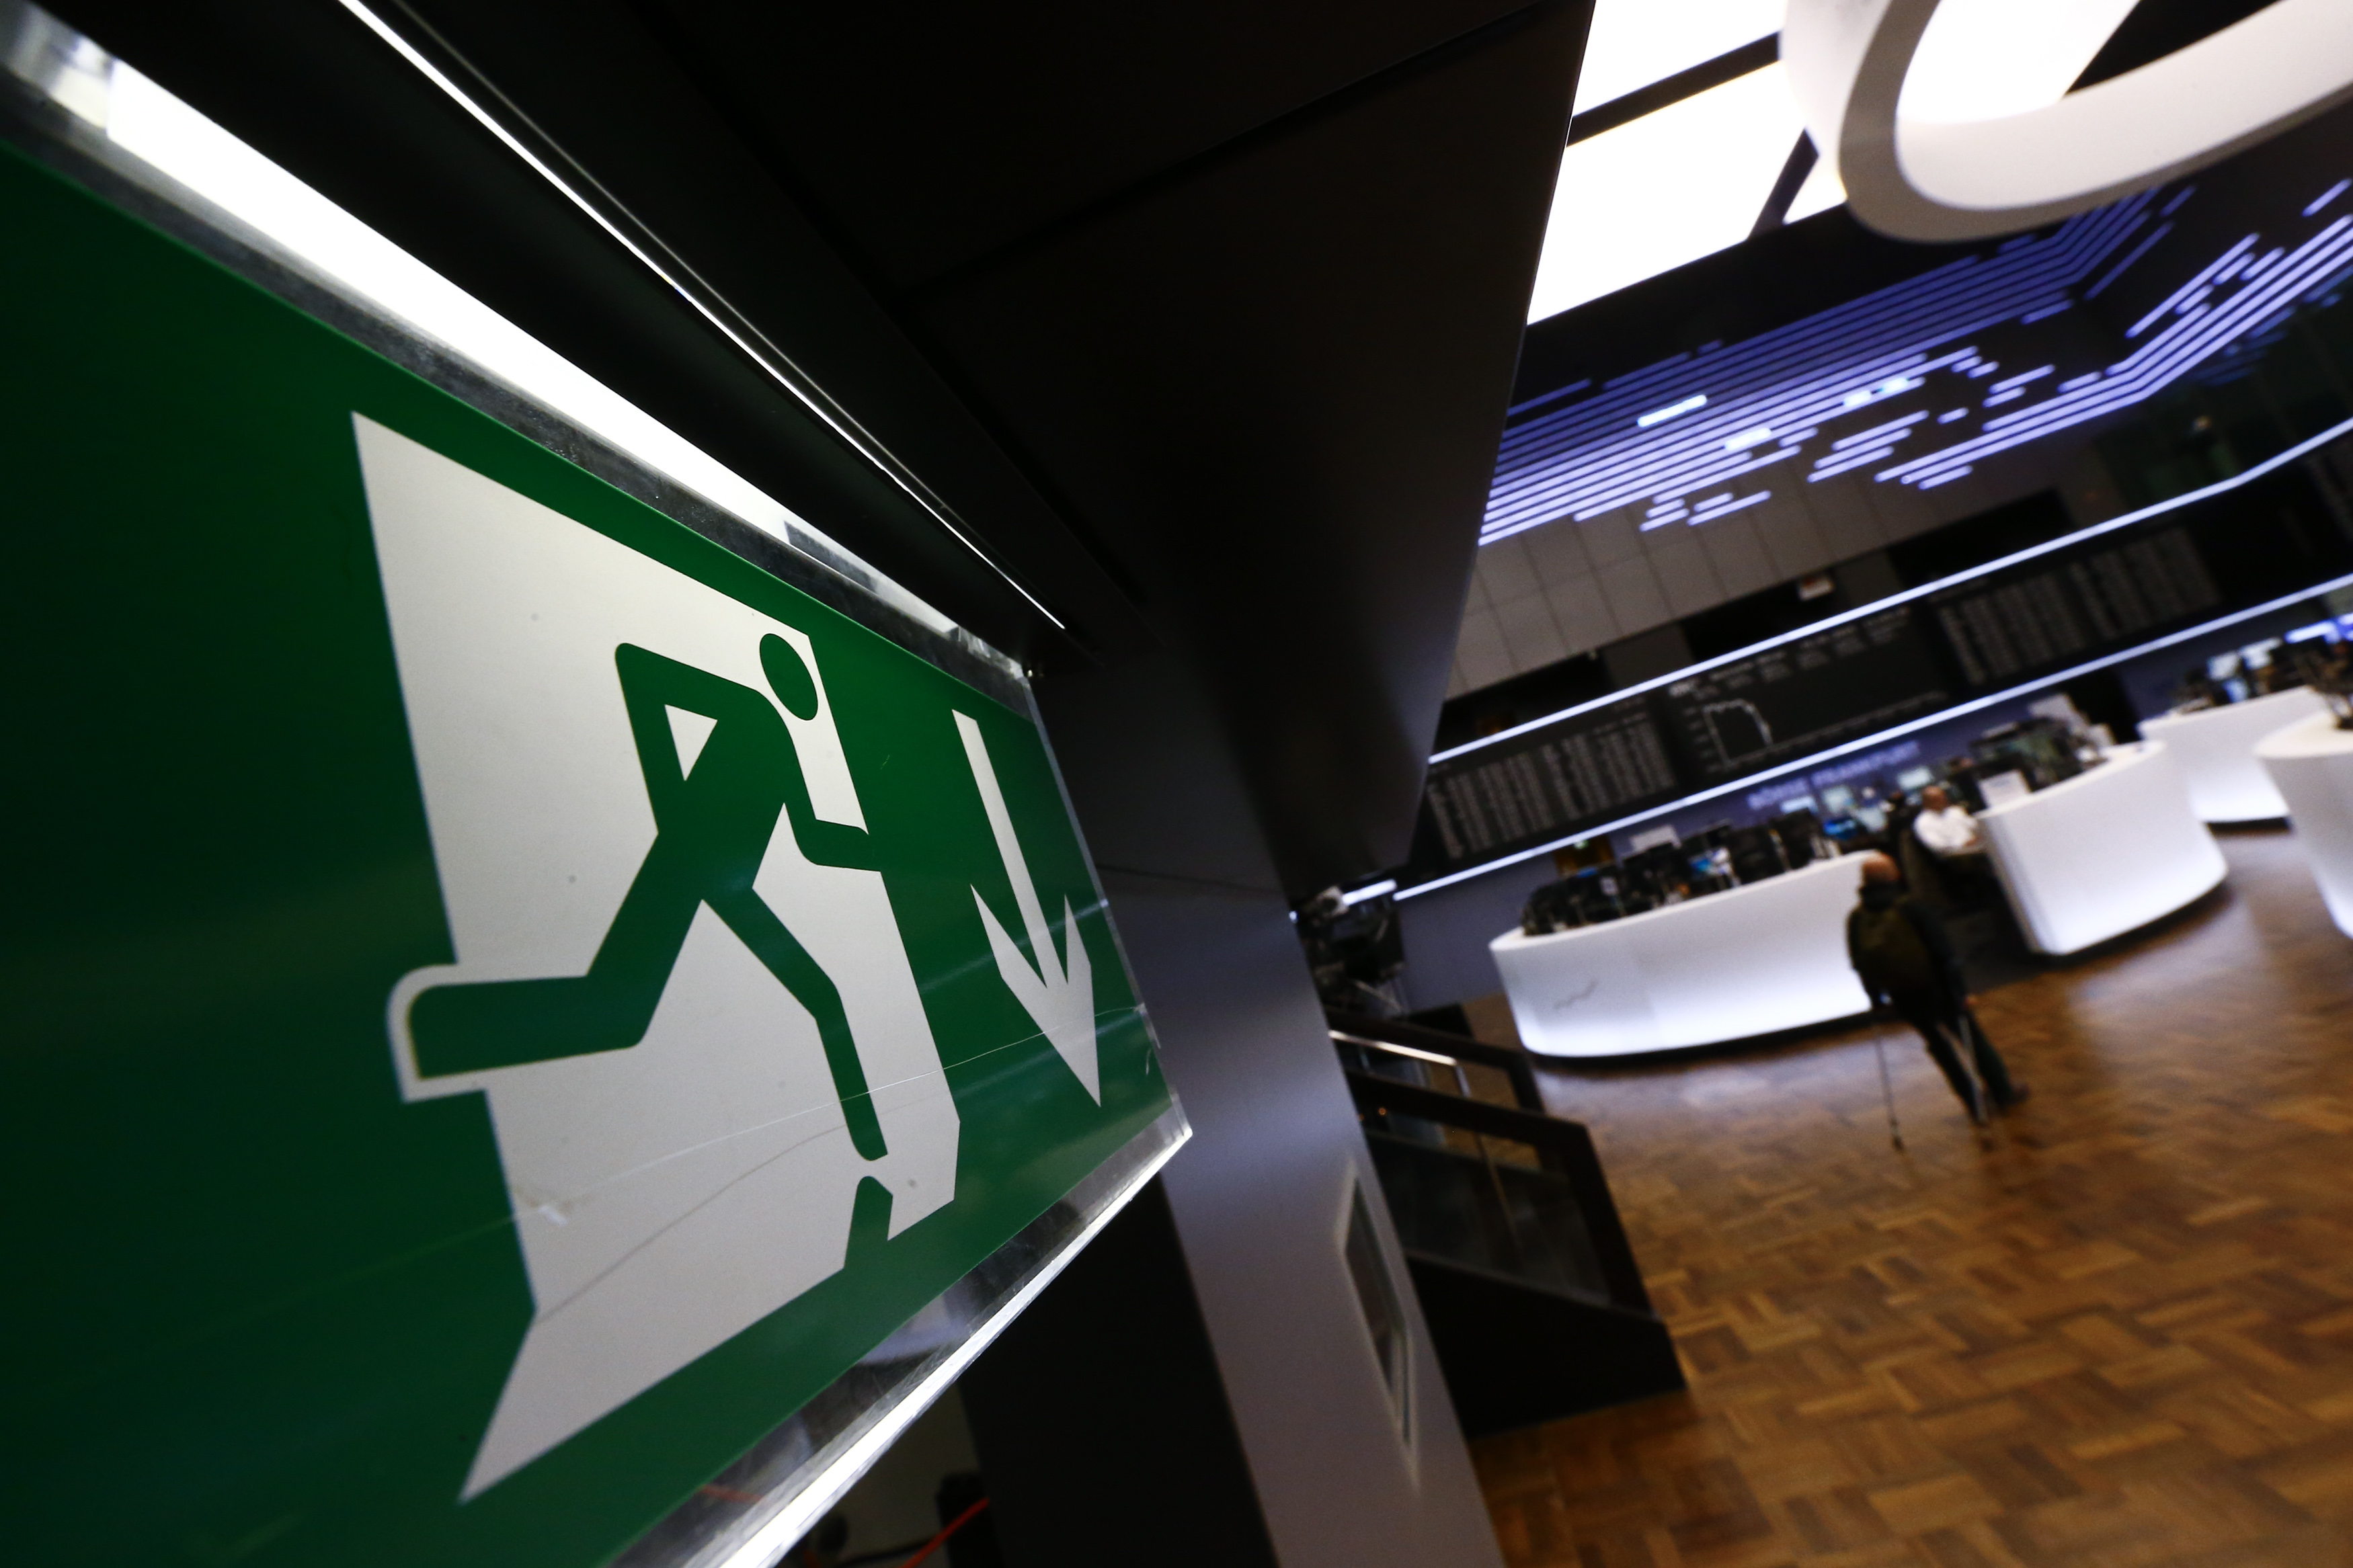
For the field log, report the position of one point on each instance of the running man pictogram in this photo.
(713, 819)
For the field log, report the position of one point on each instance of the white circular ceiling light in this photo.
(1921, 105)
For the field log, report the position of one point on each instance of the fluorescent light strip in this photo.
(2137, 251)
(1571, 390)
(2234, 258)
(1395, 1049)
(1831, 468)
(1648, 372)
(2020, 380)
(1962, 710)
(1360, 895)
(771, 360)
(2328, 196)
(2158, 508)
(1710, 512)
(1661, 416)
(1861, 437)
(796, 1517)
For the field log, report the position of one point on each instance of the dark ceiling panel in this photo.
(308, 85)
(930, 134)
(674, 164)
(2155, 28)
(1275, 388)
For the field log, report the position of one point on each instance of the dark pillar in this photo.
(1258, 1204)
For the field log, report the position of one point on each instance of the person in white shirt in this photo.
(1946, 828)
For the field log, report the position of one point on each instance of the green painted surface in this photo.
(263, 1297)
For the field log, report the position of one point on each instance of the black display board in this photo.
(1547, 783)
(2038, 616)
(1804, 695)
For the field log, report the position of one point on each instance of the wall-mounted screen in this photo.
(1802, 695)
(1613, 760)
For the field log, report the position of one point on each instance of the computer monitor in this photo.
(1915, 778)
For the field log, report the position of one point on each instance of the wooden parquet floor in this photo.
(2121, 1336)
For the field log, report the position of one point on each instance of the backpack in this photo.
(1889, 954)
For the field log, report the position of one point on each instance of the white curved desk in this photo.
(1749, 961)
(2109, 850)
(2215, 750)
(2312, 763)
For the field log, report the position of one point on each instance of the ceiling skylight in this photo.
(1670, 188)
(1986, 59)
(1633, 42)
(1696, 176)
(1821, 192)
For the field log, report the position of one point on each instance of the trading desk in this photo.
(2103, 853)
(1749, 961)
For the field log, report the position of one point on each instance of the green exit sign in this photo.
(506, 1000)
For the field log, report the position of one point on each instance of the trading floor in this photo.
(2122, 1335)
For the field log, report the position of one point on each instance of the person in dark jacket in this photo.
(1905, 957)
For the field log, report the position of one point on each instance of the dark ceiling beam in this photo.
(1801, 163)
(1624, 110)
(2153, 29)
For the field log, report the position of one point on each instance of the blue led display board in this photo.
(2052, 334)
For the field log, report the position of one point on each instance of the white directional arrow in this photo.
(1060, 997)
